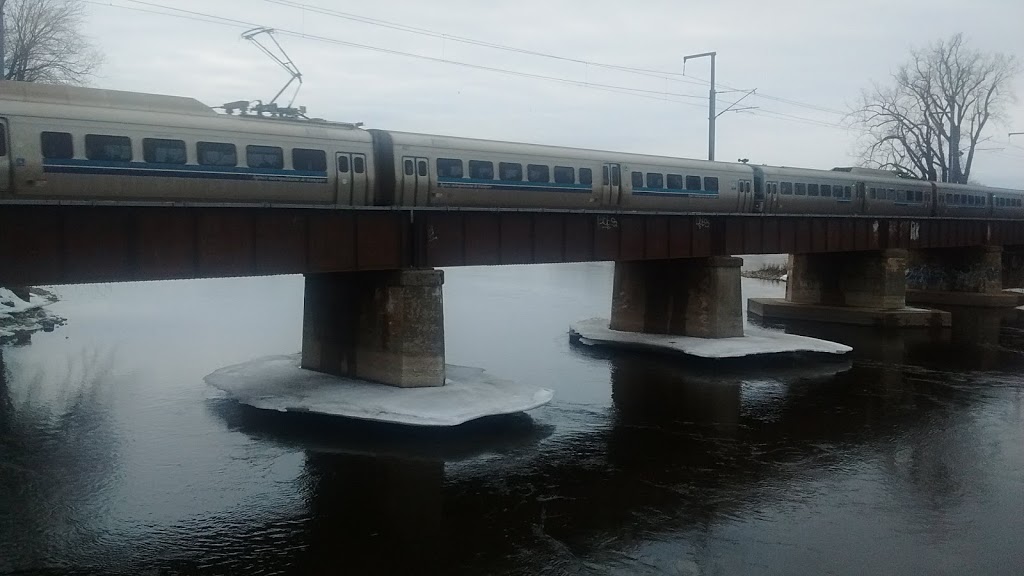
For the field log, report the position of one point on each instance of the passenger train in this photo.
(69, 144)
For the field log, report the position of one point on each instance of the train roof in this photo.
(99, 98)
(499, 147)
(92, 104)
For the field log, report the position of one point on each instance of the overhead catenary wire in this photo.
(674, 97)
(671, 76)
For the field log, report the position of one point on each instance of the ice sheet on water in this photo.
(755, 341)
(279, 383)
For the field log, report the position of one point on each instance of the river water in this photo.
(116, 458)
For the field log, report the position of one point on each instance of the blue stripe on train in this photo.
(188, 171)
(480, 183)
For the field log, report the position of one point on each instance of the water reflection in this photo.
(907, 458)
(57, 454)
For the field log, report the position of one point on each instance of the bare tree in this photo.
(44, 43)
(929, 122)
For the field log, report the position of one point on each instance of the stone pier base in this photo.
(863, 288)
(386, 327)
(970, 277)
(698, 297)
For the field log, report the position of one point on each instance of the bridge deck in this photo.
(51, 244)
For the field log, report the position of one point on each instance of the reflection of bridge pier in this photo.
(386, 513)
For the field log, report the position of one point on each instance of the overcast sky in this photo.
(818, 52)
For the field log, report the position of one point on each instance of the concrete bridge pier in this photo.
(1013, 267)
(699, 297)
(864, 288)
(970, 277)
(382, 326)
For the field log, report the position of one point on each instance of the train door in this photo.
(860, 203)
(5, 158)
(760, 192)
(771, 197)
(745, 197)
(611, 184)
(415, 181)
(352, 182)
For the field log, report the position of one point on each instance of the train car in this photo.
(897, 197)
(804, 191)
(1006, 203)
(430, 170)
(68, 143)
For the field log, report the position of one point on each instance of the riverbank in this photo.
(19, 319)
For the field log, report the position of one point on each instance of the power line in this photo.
(671, 76)
(626, 90)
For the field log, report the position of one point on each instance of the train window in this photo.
(655, 180)
(481, 170)
(271, 157)
(510, 171)
(787, 188)
(538, 173)
(586, 176)
(358, 164)
(3, 139)
(409, 168)
(800, 189)
(565, 175)
(919, 196)
(343, 166)
(109, 148)
(56, 145)
(871, 194)
(616, 176)
(675, 181)
(449, 168)
(847, 192)
(159, 151)
(892, 194)
(604, 175)
(421, 168)
(638, 179)
(309, 160)
(826, 190)
(693, 183)
(812, 190)
(956, 198)
(711, 183)
(216, 154)
(901, 195)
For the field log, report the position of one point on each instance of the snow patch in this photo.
(755, 341)
(11, 304)
(279, 383)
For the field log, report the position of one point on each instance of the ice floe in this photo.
(755, 341)
(279, 383)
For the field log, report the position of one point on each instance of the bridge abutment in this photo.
(862, 288)
(382, 326)
(970, 276)
(698, 297)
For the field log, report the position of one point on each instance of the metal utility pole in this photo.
(711, 105)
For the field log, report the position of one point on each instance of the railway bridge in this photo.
(373, 297)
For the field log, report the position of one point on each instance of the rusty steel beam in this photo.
(79, 244)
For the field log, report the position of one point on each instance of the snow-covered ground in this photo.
(20, 317)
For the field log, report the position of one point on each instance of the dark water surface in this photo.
(116, 458)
